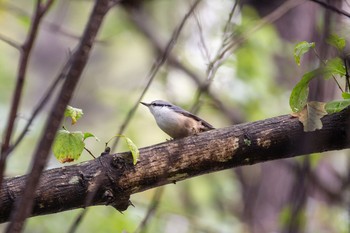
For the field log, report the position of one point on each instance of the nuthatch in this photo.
(175, 121)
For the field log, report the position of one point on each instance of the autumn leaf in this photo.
(311, 116)
(74, 113)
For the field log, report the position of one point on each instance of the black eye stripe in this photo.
(161, 105)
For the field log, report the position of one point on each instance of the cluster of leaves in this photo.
(68, 146)
(310, 113)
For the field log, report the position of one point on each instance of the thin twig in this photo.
(90, 152)
(332, 8)
(201, 37)
(23, 63)
(95, 187)
(228, 22)
(324, 63)
(223, 42)
(77, 221)
(44, 100)
(209, 72)
(229, 48)
(46, 25)
(10, 42)
(151, 210)
(154, 70)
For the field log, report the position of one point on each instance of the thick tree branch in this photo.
(116, 178)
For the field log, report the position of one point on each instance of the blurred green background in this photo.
(254, 82)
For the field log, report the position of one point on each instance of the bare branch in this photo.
(332, 8)
(10, 42)
(203, 47)
(40, 106)
(210, 74)
(23, 206)
(46, 25)
(23, 63)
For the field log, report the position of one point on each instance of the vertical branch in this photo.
(23, 206)
(25, 52)
(347, 77)
(46, 97)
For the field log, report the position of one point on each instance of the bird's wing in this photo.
(188, 114)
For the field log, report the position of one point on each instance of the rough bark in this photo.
(112, 178)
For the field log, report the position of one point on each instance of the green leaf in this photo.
(134, 150)
(300, 92)
(68, 146)
(345, 95)
(334, 66)
(131, 145)
(337, 105)
(89, 135)
(74, 113)
(301, 48)
(336, 41)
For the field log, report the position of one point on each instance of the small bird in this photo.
(175, 121)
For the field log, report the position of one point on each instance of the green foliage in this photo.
(337, 42)
(337, 105)
(68, 146)
(300, 92)
(301, 48)
(255, 70)
(255, 60)
(345, 95)
(310, 113)
(333, 67)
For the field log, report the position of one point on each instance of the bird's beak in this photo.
(146, 104)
